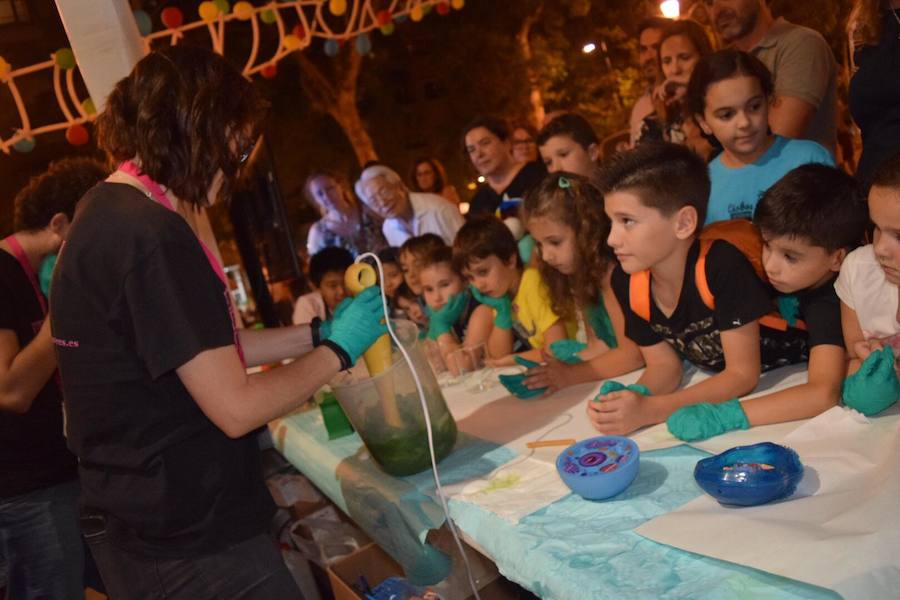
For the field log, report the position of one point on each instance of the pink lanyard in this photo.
(19, 253)
(159, 196)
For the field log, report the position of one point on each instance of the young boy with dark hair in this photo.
(486, 252)
(656, 198)
(809, 221)
(326, 274)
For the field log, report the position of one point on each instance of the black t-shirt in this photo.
(820, 309)
(486, 200)
(134, 298)
(693, 330)
(33, 452)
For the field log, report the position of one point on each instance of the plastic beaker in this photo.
(386, 411)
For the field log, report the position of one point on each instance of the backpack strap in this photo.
(639, 294)
(700, 275)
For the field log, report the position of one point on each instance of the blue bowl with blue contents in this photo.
(600, 467)
(750, 475)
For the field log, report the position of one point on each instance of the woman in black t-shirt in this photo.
(161, 412)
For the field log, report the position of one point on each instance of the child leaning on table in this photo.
(809, 221)
(486, 252)
(564, 214)
(455, 317)
(868, 289)
(656, 198)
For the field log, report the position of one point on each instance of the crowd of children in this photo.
(657, 259)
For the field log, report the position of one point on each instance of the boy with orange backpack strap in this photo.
(656, 197)
(809, 221)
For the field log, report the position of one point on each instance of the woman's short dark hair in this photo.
(690, 29)
(571, 125)
(185, 113)
(57, 190)
(495, 125)
(721, 65)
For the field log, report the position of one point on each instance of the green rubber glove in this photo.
(614, 386)
(705, 420)
(359, 324)
(325, 324)
(875, 386)
(515, 385)
(502, 308)
(528, 364)
(441, 321)
(567, 351)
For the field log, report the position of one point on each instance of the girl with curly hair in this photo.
(565, 216)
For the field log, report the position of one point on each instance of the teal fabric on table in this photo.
(576, 549)
(396, 513)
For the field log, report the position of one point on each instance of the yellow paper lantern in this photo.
(457, 4)
(208, 11)
(337, 7)
(417, 14)
(291, 42)
(243, 11)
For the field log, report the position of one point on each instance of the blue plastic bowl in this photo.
(750, 475)
(599, 467)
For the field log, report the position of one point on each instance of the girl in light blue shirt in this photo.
(729, 94)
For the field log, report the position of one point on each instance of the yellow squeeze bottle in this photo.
(358, 277)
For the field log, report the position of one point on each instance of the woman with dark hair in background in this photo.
(345, 221)
(428, 175)
(487, 143)
(681, 47)
(874, 30)
(161, 411)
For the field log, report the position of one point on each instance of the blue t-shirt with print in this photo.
(736, 191)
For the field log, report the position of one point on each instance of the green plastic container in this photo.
(386, 411)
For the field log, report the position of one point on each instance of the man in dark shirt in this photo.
(488, 144)
(40, 543)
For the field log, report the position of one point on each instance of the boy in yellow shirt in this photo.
(485, 251)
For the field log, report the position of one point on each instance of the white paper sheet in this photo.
(516, 489)
(840, 530)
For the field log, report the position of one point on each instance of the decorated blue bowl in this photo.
(599, 467)
(750, 475)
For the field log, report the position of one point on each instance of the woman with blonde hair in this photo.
(874, 32)
(345, 221)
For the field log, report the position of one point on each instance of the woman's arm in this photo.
(239, 403)
(267, 346)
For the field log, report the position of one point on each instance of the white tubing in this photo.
(412, 369)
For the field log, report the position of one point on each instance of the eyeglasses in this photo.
(525, 142)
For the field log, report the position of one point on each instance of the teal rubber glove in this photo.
(359, 324)
(875, 386)
(515, 385)
(528, 364)
(567, 351)
(502, 308)
(325, 324)
(705, 420)
(789, 308)
(441, 321)
(614, 386)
